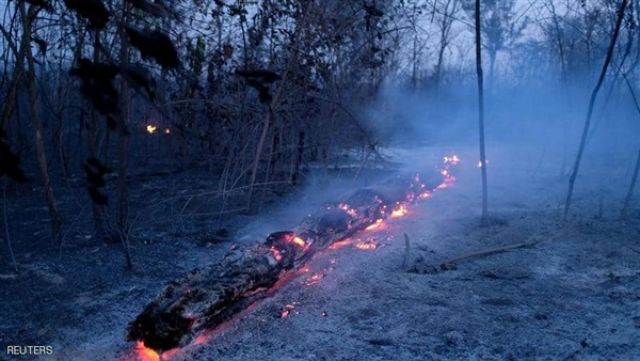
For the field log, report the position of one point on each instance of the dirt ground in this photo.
(574, 296)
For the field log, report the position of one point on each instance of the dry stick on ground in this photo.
(594, 94)
(634, 178)
(483, 156)
(452, 262)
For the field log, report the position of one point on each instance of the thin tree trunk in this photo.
(594, 94)
(36, 121)
(98, 210)
(483, 157)
(295, 177)
(123, 147)
(634, 178)
(256, 161)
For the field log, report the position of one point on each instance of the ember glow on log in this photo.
(209, 298)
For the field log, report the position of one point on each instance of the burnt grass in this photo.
(574, 296)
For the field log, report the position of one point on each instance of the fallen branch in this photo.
(452, 263)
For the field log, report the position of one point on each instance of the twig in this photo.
(489, 252)
(452, 262)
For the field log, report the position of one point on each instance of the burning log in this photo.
(206, 298)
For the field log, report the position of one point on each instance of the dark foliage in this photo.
(41, 3)
(155, 9)
(138, 76)
(92, 10)
(97, 85)
(9, 162)
(261, 81)
(156, 45)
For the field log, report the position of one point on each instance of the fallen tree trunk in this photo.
(206, 298)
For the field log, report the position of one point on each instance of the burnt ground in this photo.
(575, 295)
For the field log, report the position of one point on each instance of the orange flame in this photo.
(374, 225)
(340, 244)
(299, 241)
(145, 353)
(317, 277)
(399, 211)
(151, 128)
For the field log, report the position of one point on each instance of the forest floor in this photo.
(574, 296)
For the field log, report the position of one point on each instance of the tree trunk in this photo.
(36, 121)
(295, 177)
(634, 178)
(206, 298)
(91, 141)
(123, 146)
(483, 157)
(592, 100)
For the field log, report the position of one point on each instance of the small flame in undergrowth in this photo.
(151, 129)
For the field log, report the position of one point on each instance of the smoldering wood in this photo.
(210, 296)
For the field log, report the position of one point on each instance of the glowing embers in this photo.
(340, 244)
(288, 309)
(347, 209)
(277, 255)
(368, 245)
(151, 129)
(145, 353)
(314, 279)
(299, 241)
(280, 239)
(399, 211)
(451, 159)
(425, 195)
(375, 225)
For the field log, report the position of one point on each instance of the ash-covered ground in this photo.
(575, 295)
